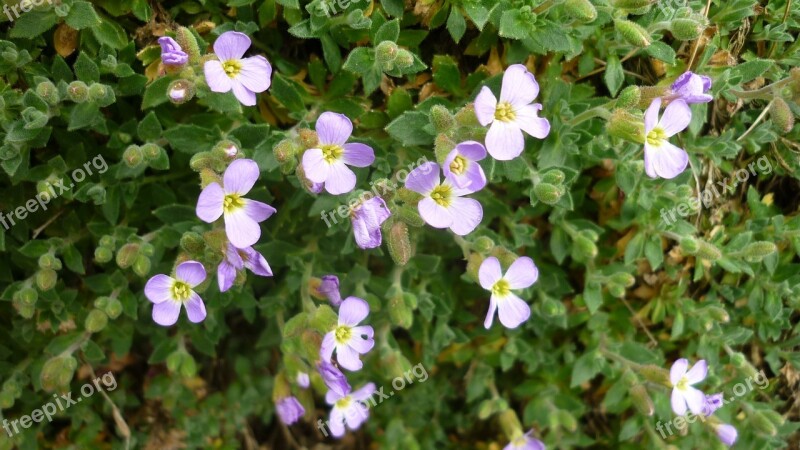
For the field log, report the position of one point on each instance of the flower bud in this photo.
(708, 251)
(385, 52)
(285, 150)
(78, 92)
(49, 92)
(57, 372)
(632, 4)
(581, 10)
(739, 360)
(689, 245)
(509, 422)
(405, 59)
(7, 400)
(442, 146)
(28, 296)
(208, 176)
(655, 374)
(547, 193)
(757, 251)
(775, 417)
(782, 115)
(632, 32)
(126, 255)
(466, 116)
(629, 97)
(174, 360)
(625, 125)
(47, 261)
(141, 266)
(686, 29)
(408, 196)
(289, 166)
(616, 290)
(400, 312)
(399, 243)
(113, 309)
(204, 160)
(151, 151)
(192, 243)
(308, 138)
(409, 216)
(719, 314)
(641, 400)
(553, 176)
(441, 118)
(483, 244)
(34, 119)
(95, 321)
(103, 255)
(583, 248)
(101, 94)
(761, 423)
(624, 279)
(133, 156)
(46, 279)
(180, 91)
(188, 43)
(474, 262)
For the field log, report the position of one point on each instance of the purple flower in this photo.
(168, 294)
(691, 88)
(443, 205)
(712, 403)
(348, 338)
(682, 379)
(330, 289)
(334, 378)
(348, 408)
(290, 410)
(328, 163)
(512, 310)
(241, 215)
(303, 380)
(245, 76)
(237, 259)
(727, 434)
(662, 159)
(512, 115)
(171, 52)
(461, 166)
(367, 218)
(525, 442)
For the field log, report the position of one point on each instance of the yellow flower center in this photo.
(441, 194)
(181, 291)
(501, 288)
(504, 112)
(232, 202)
(232, 67)
(343, 403)
(459, 165)
(683, 384)
(332, 152)
(656, 136)
(343, 334)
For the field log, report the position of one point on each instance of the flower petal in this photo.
(166, 313)
(195, 308)
(333, 128)
(358, 155)
(256, 74)
(216, 78)
(348, 358)
(529, 121)
(364, 392)
(698, 372)
(226, 275)
(695, 399)
(256, 263)
(159, 288)
(191, 273)
(485, 106)
(424, 178)
(434, 214)
(490, 314)
(676, 117)
(315, 167)
(727, 434)
(519, 86)
(667, 160)
(522, 273)
(363, 330)
(489, 273)
(244, 95)
(361, 345)
(467, 214)
(341, 179)
(231, 45)
(258, 211)
(649, 166)
(512, 310)
(678, 402)
(355, 415)
(209, 204)
(365, 236)
(241, 229)
(504, 141)
(352, 311)
(678, 370)
(473, 151)
(240, 176)
(336, 424)
(328, 344)
(651, 115)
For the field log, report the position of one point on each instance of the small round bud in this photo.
(308, 138)
(386, 51)
(107, 240)
(554, 176)
(782, 115)
(113, 309)
(285, 150)
(625, 125)
(57, 372)
(47, 261)
(180, 91)
(548, 193)
(95, 321)
(690, 245)
(441, 118)
(483, 244)
(193, 243)
(739, 360)
(404, 60)
(399, 243)
(28, 296)
(49, 92)
(719, 314)
(141, 266)
(581, 10)
(583, 248)
(686, 29)
(629, 97)
(623, 279)
(103, 255)
(133, 156)
(46, 279)
(150, 151)
(78, 92)
(126, 255)
(616, 290)
(203, 160)
(101, 94)
(633, 33)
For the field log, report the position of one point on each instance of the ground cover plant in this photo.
(397, 224)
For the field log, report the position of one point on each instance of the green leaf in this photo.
(456, 24)
(175, 213)
(191, 139)
(512, 26)
(82, 15)
(156, 93)
(111, 34)
(73, 259)
(393, 7)
(287, 92)
(86, 70)
(34, 23)
(593, 296)
(662, 51)
(83, 115)
(585, 368)
(149, 128)
(361, 60)
(446, 74)
(408, 129)
(751, 70)
(389, 31)
(614, 75)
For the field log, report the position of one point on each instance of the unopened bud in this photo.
(689, 245)
(285, 151)
(554, 176)
(466, 116)
(782, 115)
(442, 146)
(386, 52)
(632, 4)
(78, 92)
(632, 32)
(548, 193)
(761, 423)
(48, 91)
(474, 262)
(625, 125)
(718, 314)
(46, 279)
(739, 360)
(583, 249)
(399, 243)
(404, 60)
(133, 156)
(616, 290)
(629, 97)
(687, 29)
(204, 160)
(151, 151)
(509, 422)
(409, 216)
(28, 296)
(641, 400)
(141, 266)
(308, 138)
(624, 279)
(34, 119)
(188, 43)
(57, 372)
(581, 10)
(126, 255)
(180, 91)
(400, 312)
(708, 251)
(655, 374)
(483, 244)
(101, 94)
(774, 416)
(103, 255)
(441, 118)
(192, 243)
(95, 321)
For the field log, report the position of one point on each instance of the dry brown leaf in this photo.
(65, 40)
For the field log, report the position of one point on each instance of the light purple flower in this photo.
(171, 53)
(348, 338)
(367, 218)
(245, 76)
(290, 410)
(525, 442)
(303, 380)
(512, 310)
(662, 159)
(328, 163)
(443, 205)
(330, 289)
(237, 259)
(727, 434)
(512, 115)
(334, 378)
(691, 88)
(168, 294)
(682, 379)
(461, 165)
(349, 408)
(242, 215)
(712, 403)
